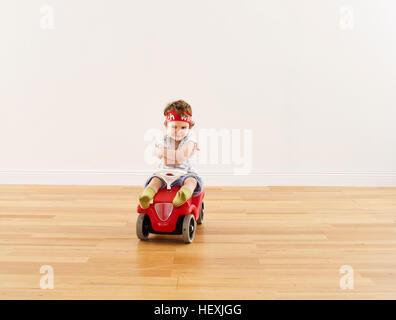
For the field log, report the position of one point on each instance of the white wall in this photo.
(77, 100)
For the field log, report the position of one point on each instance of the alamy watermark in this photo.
(347, 17)
(47, 280)
(47, 17)
(346, 281)
(236, 147)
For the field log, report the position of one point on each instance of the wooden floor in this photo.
(255, 243)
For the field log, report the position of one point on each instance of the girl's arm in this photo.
(187, 151)
(159, 151)
(175, 157)
(164, 153)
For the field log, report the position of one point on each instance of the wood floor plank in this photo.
(256, 243)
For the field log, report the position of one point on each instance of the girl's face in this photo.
(177, 129)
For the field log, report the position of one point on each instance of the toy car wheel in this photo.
(201, 215)
(189, 226)
(142, 226)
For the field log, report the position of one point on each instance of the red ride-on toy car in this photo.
(161, 217)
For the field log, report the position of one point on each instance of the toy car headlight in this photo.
(163, 210)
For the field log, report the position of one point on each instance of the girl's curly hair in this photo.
(181, 106)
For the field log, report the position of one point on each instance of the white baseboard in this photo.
(257, 178)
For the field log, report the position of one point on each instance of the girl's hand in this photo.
(159, 151)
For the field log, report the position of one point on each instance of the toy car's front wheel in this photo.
(142, 226)
(189, 226)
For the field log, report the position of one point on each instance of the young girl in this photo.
(175, 150)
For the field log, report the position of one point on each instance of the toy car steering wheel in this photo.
(170, 175)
